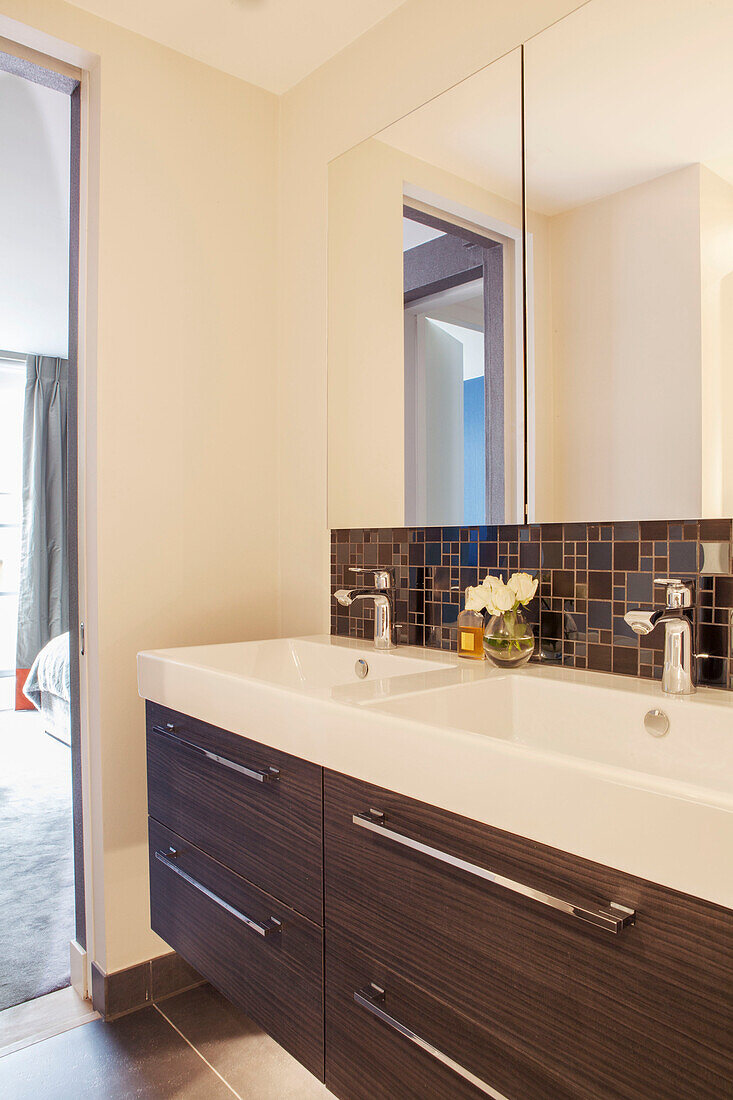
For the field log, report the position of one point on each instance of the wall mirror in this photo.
(426, 364)
(625, 307)
(629, 187)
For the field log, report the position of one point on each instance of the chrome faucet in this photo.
(678, 672)
(382, 594)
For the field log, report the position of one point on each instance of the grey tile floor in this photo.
(194, 1045)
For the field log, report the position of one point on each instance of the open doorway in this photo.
(464, 375)
(41, 864)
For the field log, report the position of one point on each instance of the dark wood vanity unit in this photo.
(236, 858)
(457, 959)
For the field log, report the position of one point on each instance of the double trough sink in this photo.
(557, 755)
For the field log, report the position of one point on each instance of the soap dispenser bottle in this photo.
(471, 634)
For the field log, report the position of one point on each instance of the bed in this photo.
(49, 687)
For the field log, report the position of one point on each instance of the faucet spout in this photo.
(381, 594)
(346, 596)
(642, 622)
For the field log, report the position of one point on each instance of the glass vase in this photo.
(509, 639)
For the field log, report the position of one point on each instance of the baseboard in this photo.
(124, 991)
(78, 969)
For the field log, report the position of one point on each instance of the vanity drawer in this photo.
(423, 1048)
(254, 809)
(264, 957)
(645, 1012)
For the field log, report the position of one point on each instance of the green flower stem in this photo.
(515, 634)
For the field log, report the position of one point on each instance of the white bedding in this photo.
(50, 672)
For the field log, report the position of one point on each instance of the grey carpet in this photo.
(36, 864)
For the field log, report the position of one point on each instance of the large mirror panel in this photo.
(629, 189)
(425, 358)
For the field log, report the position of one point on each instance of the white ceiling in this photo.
(619, 92)
(473, 130)
(272, 43)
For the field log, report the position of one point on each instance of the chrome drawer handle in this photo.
(612, 918)
(372, 998)
(261, 775)
(262, 928)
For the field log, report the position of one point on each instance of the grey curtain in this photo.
(43, 603)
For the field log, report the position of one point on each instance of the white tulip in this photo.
(476, 598)
(523, 586)
(501, 599)
(488, 585)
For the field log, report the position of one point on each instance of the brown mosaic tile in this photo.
(626, 556)
(715, 529)
(590, 575)
(563, 582)
(574, 532)
(599, 658)
(626, 660)
(652, 530)
(599, 586)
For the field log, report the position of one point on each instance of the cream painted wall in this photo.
(366, 321)
(540, 377)
(366, 338)
(186, 514)
(626, 347)
(716, 252)
(423, 48)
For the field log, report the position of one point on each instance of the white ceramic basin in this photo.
(601, 721)
(555, 755)
(314, 664)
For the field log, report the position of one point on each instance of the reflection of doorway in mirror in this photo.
(473, 421)
(459, 456)
(445, 434)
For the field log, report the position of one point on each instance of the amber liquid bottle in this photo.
(471, 635)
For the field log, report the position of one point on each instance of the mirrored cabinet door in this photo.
(628, 299)
(629, 190)
(426, 358)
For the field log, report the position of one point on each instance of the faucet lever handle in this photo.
(383, 574)
(679, 593)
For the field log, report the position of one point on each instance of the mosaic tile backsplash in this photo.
(590, 575)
